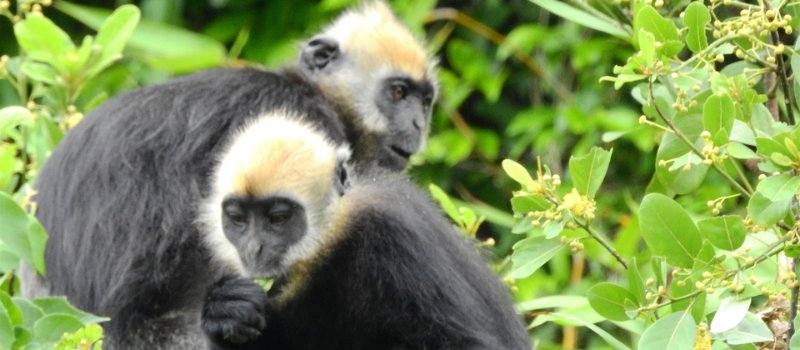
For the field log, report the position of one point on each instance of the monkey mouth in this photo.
(401, 152)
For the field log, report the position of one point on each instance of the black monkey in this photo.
(118, 196)
(378, 267)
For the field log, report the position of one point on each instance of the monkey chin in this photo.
(395, 158)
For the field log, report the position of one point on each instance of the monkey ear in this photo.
(319, 52)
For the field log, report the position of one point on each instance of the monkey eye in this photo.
(426, 103)
(399, 91)
(234, 213)
(280, 213)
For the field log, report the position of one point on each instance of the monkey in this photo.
(115, 194)
(367, 262)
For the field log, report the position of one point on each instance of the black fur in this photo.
(401, 278)
(119, 199)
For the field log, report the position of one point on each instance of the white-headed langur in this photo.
(118, 197)
(363, 262)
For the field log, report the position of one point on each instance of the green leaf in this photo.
(531, 253)
(740, 151)
(729, 314)
(51, 327)
(681, 182)
(59, 305)
(610, 339)
(519, 174)
(13, 312)
(718, 116)
(13, 116)
(38, 243)
(750, 330)
(779, 187)
(668, 230)
(695, 18)
(724, 232)
(794, 343)
(14, 234)
(583, 18)
(588, 171)
(522, 38)
(676, 331)
(663, 29)
(160, 45)
(611, 301)
(766, 212)
(42, 40)
(635, 281)
(114, 34)
(526, 204)
(445, 202)
(40, 72)
(647, 47)
(6, 329)
(30, 312)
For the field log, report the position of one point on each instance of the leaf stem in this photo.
(691, 145)
(784, 81)
(599, 238)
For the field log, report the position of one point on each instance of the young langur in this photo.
(118, 196)
(363, 263)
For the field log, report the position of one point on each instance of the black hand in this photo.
(234, 311)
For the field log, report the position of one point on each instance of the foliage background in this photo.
(517, 82)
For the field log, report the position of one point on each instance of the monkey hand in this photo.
(234, 311)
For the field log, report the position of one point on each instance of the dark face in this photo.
(406, 104)
(262, 230)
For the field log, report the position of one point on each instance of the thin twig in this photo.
(691, 145)
(603, 242)
(785, 86)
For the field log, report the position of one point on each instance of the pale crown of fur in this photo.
(377, 45)
(275, 155)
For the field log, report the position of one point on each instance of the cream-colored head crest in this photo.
(277, 154)
(375, 38)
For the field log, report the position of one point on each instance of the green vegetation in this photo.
(631, 166)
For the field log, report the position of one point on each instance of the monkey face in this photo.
(262, 230)
(406, 105)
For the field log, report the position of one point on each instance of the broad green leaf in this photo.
(731, 311)
(14, 234)
(519, 174)
(6, 329)
(676, 331)
(59, 305)
(740, 151)
(40, 72)
(681, 182)
(668, 230)
(50, 328)
(718, 116)
(526, 204)
(647, 47)
(611, 301)
(588, 171)
(13, 312)
(552, 302)
(610, 339)
(445, 202)
(114, 34)
(583, 18)
(38, 242)
(160, 45)
(690, 158)
(779, 187)
(13, 116)
(635, 281)
(522, 38)
(766, 212)
(794, 343)
(531, 253)
(750, 330)
(724, 232)
(663, 29)
(695, 18)
(42, 40)
(30, 312)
